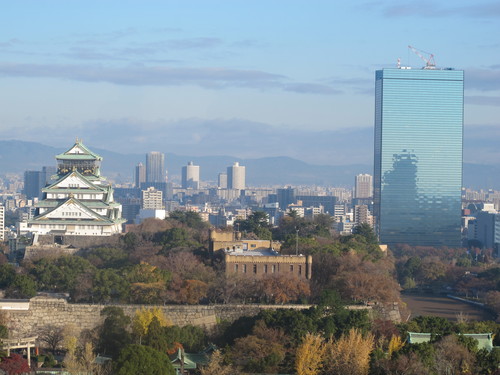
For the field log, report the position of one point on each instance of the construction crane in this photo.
(429, 61)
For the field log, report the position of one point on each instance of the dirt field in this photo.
(424, 305)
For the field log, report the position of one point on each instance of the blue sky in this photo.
(142, 71)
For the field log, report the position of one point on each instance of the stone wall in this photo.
(46, 311)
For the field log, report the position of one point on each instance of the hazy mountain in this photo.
(18, 156)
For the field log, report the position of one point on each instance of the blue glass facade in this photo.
(418, 156)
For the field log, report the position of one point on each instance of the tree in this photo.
(216, 366)
(142, 360)
(109, 285)
(114, 331)
(366, 231)
(7, 274)
(143, 318)
(22, 286)
(452, 357)
(350, 354)
(310, 355)
(52, 336)
(283, 288)
(15, 364)
(155, 336)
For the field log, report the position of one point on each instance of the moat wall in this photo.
(44, 311)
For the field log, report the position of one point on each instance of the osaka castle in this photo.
(78, 202)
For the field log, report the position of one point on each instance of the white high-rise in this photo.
(236, 176)
(191, 176)
(363, 186)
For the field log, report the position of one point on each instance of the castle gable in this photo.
(73, 180)
(71, 209)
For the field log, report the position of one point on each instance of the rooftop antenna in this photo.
(429, 61)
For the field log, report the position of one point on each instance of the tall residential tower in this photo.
(236, 176)
(418, 156)
(155, 167)
(191, 176)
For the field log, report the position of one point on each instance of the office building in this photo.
(363, 186)
(486, 230)
(418, 156)
(191, 176)
(79, 202)
(34, 181)
(285, 197)
(139, 175)
(155, 167)
(236, 176)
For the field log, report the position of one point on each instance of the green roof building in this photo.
(78, 202)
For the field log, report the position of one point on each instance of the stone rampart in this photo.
(57, 312)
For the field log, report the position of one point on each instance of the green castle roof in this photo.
(78, 152)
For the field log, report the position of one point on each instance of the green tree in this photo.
(190, 218)
(22, 286)
(109, 285)
(155, 336)
(114, 332)
(366, 231)
(142, 360)
(7, 274)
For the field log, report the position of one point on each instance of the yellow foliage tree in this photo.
(143, 317)
(395, 345)
(350, 354)
(310, 354)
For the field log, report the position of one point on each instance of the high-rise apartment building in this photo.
(191, 176)
(222, 181)
(140, 175)
(155, 167)
(236, 176)
(363, 186)
(152, 199)
(418, 156)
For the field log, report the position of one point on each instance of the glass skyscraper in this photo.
(418, 156)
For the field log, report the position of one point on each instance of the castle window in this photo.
(300, 270)
(291, 267)
(254, 268)
(265, 268)
(273, 268)
(236, 268)
(244, 268)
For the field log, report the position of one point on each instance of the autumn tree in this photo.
(283, 288)
(310, 355)
(350, 354)
(216, 366)
(14, 364)
(452, 357)
(143, 318)
(260, 351)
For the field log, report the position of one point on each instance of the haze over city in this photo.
(247, 79)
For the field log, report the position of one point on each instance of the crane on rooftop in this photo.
(429, 61)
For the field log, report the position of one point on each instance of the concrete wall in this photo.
(45, 311)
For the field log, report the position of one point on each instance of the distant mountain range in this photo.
(19, 156)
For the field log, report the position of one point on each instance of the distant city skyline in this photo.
(114, 72)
